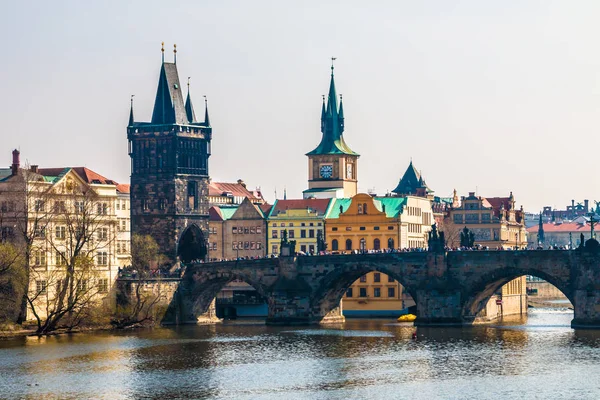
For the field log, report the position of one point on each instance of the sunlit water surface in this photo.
(540, 358)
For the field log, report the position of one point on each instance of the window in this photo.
(291, 224)
(363, 278)
(311, 233)
(252, 245)
(458, 218)
(334, 229)
(291, 233)
(246, 230)
(348, 228)
(486, 217)
(7, 232)
(60, 232)
(124, 225)
(311, 248)
(119, 247)
(59, 207)
(318, 224)
(282, 224)
(39, 232)
(102, 258)
(390, 279)
(192, 193)
(390, 228)
(376, 292)
(103, 285)
(40, 205)
(362, 228)
(376, 244)
(234, 245)
(303, 248)
(79, 207)
(60, 260)
(391, 292)
(258, 229)
(41, 286)
(82, 285)
(102, 233)
(118, 205)
(349, 292)
(162, 204)
(348, 244)
(234, 230)
(274, 249)
(362, 292)
(253, 230)
(258, 245)
(360, 209)
(274, 234)
(145, 205)
(40, 258)
(376, 277)
(375, 228)
(303, 233)
(334, 245)
(102, 208)
(302, 224)
(214, 246)
(274, 225)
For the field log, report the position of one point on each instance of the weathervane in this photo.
(332, 60)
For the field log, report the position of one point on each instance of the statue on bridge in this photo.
(467, 238)
(436, 241)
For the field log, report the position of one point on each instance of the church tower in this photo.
(332, 166)
(169, 171)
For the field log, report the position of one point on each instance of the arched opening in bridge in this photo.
(192, 245)
(376, 295)
(234, 296)
(509, 296)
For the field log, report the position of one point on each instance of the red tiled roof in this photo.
(564, 227)
(266, 208)
(236, 189)
(214, 214)
(319, 205)
(123, 188)
(84, 173)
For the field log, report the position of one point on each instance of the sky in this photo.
(483, 96)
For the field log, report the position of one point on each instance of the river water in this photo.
(537, 358)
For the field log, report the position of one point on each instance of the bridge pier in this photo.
(586, 309)
(438, 308)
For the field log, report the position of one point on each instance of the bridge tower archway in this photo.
(192, 244)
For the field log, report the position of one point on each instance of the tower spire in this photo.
(323, 116)
(206, 119)
(341, 115)
(131, 112)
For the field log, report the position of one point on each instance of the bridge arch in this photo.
(333, 285)
(478, 293)
(204, 286)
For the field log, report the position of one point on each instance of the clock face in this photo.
(326, 171)
(349, 171)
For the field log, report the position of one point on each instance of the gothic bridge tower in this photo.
(332, 166)
(169, 171)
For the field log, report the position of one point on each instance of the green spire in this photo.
(332, 125)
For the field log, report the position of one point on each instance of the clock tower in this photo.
(332, 166)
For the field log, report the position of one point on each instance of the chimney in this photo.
(16, 161)
(34, 169)
(586, 204)
(241, 182)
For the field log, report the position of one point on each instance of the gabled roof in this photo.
(318, 205)
(246, 206)
(214, 214)
(123, 188)
(393, 206)
(168, 105)
(221, 213)
(86, 174)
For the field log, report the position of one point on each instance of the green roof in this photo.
(228, 211)
(393, 206)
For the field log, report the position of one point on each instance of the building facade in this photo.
(169, 171)
(332, 165)
(220, 193)
(301, 219)
(69, 216)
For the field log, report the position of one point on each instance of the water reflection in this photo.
(538, 357)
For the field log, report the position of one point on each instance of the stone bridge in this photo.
(449, 288)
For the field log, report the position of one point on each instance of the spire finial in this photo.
(174, 54)
(162, 50)
(188, 84)
(332, 60)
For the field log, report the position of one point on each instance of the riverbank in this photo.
(549, 303)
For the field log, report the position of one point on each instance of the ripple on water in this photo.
(339, 332)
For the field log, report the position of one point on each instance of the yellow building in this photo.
(364, 224)
(302, 219)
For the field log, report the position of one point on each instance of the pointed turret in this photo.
(323, 116)
(189, 108)
(206, 119)
(131, 121)
(341, 115)
(410, 181)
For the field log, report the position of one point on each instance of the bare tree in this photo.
(12, 277)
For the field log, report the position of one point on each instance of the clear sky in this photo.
(490, 96)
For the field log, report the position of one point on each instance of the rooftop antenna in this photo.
(162, 50)
(174, 54)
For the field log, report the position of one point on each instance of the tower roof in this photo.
(411, 181)
(332, 126)
(189, 108)
(168, 106)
